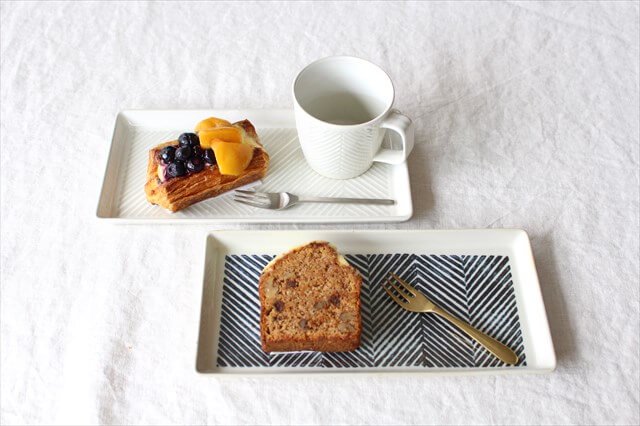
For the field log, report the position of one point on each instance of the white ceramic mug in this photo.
(343, 108)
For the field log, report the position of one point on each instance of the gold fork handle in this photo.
(492, 345)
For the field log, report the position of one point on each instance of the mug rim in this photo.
(344, 126)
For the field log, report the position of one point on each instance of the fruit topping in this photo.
(183, 153)
(209, 157)
(227, 134)
(217, 142)
(176, 169)
(168, 154)
(232, 158)
(196, 151)
(189, 139)
(210, 123)
(195, 164)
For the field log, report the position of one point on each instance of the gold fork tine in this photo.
(400, 301)
(399, 289)
(404, 285)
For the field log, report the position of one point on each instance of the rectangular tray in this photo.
(486, 277)
(122, 197)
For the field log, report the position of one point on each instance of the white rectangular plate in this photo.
(122, 198)
(487, 277)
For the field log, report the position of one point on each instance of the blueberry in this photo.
(183, 153)
(189, 139)
(195, 165)
(196, 151)
(209, 156)
(176, 169)
(168, 154)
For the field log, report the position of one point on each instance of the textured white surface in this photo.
(526, 114)
(137, 132)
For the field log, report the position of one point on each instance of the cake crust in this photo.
(179, 193)
(310, 300)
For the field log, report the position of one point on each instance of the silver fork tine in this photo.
(247, 192)
(251, 203)
(397, 299)
(252, 194)
(250, 198)
(404, 285)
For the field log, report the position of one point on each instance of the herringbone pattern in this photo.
(477, 289)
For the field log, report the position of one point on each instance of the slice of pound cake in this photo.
(310, 300)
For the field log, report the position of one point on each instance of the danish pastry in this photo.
(191, 169)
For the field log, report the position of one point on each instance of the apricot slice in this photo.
(211, 123)
(227, 134)
(232, 158)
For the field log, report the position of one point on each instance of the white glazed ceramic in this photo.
(342, 148)
(122, 199)
(514, 243)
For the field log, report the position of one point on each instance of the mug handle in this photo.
(402, 125)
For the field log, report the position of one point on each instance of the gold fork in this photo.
(412, 300)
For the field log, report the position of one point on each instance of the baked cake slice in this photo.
(310, 300)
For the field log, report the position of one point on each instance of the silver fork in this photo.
(283, 200)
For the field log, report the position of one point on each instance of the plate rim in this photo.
(105, 209)
(543, 336)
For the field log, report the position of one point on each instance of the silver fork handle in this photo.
(377, 201)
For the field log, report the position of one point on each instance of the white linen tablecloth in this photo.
(526, 116)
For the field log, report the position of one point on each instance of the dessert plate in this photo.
(485, 277)
(122, 197)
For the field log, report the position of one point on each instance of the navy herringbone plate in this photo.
(477, 289)
(485, 277)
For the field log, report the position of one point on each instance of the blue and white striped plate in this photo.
(480, 288)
